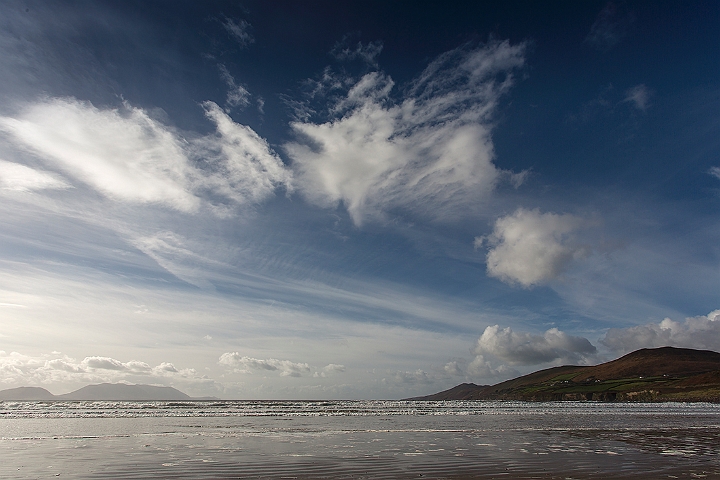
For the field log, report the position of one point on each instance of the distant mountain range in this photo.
(650, 374)
(103, 391)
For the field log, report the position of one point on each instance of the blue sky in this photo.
(353, 199)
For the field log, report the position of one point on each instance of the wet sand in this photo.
(354, 454)
(567, 445)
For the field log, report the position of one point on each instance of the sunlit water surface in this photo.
(358, 439)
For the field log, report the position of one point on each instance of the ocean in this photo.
(358, 439)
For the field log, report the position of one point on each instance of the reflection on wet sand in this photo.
(460, 440)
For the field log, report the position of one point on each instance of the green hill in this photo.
(656, 374)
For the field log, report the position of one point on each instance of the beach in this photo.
(207, 440)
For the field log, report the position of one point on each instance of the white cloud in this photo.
(239, 31)
(166, 368)
(125, 155)
(638, 96)
(19, 369)
(522, 348)
(454, 368)
(104, 363)
(417, 377)
(368, 53)
(531, 248)
(14, 176)
(498, 350)
(244, 167)
(172, 252)
(128, 156)
(480, 367)
(715, 172)
(237, 95)
(334, 367)
(243, 364)
(329, 369)
(701, 332)
(427, 154)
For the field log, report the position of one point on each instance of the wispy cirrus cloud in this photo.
(638, 96)
(17, 177)
(177, 255)
(427, 153)
(368, 53)
(240, 165)
(715, 172)
(123, 154)
(239, 31)
(126, 155)
(531, 248)
(237, 95)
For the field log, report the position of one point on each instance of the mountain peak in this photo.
(101, 392)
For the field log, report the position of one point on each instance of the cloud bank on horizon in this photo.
(312, 212)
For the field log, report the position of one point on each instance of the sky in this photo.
(353, 200)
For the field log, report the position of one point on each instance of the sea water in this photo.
(358, 439)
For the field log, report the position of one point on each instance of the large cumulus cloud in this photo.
(702, 332)
(499, 350)
(530, 248)
(523, 348)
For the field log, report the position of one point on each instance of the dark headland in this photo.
(663, 374)
(101, 392)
